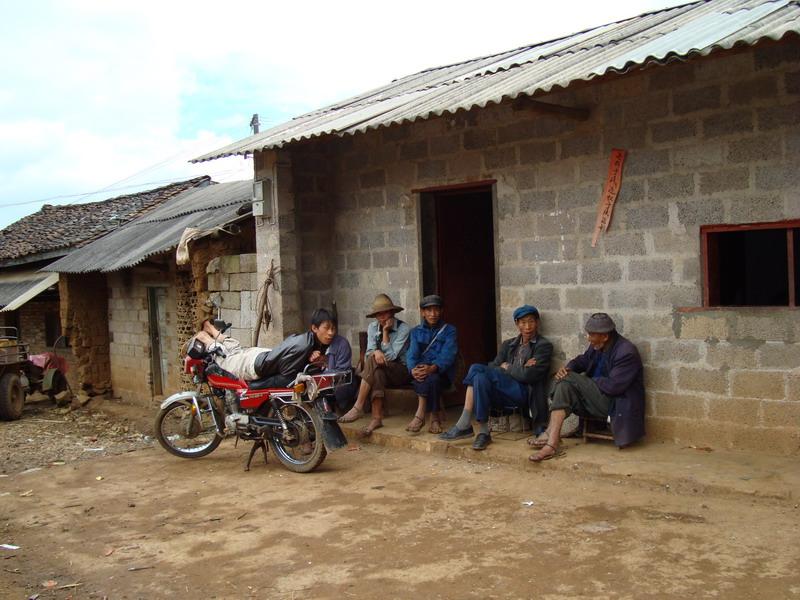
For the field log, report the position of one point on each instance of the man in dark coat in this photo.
(605, 382)
(515, 378)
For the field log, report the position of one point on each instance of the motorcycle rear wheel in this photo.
(308, 453)
(177, 435)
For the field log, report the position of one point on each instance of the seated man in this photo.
(606, 381)
(516, 377)
(339, 359)
(431, 359)
(384, 361)
(281, 364)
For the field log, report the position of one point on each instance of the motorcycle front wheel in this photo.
(302, 450)
(181, 433)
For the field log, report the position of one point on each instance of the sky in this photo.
(102, 98)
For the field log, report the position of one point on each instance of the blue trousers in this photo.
(493, 388)
(431, 389)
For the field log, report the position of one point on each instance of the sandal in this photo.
(354, 414)
(416, 424)
(538, 441)
(538, 457)
(373, 425)
(436, 426)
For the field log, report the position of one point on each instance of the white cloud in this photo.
(97, 91)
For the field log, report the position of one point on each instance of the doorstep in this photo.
(680, 469)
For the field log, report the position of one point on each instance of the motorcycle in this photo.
(296, 422)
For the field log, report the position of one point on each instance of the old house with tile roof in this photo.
(30, 299)
(483, 181)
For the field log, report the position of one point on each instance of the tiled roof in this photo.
(54, 230)
(694, 29)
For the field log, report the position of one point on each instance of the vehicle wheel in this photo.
(12, 397)
(179, 432)
(303, 451)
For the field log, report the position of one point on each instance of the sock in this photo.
(483, 427)
(465, 420)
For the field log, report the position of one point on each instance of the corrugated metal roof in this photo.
(697, 28)
(17, 288)
(161, 229)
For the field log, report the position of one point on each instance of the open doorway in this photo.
(157, 312)
(457, 242)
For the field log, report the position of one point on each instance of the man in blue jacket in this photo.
(515, 378)
(605, 382)
(431, 360)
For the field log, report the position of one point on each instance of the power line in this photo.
(107, 189)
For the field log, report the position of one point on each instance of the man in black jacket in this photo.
(515, 378)
(281, 364)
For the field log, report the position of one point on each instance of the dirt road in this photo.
(378, 523)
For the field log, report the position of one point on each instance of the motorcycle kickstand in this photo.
(256, 445)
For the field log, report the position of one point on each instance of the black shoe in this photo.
(454, 433)
(481, 441)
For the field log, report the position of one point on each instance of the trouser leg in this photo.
(578, 394)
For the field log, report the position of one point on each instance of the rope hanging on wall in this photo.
(264, 310)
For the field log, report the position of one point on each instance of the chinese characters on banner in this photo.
(610, 192)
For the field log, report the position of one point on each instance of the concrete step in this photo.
(665, 466)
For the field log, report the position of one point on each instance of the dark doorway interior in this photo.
(458, 263)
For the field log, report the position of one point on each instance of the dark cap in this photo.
(432, 300)
(524, 311)
(600, 323)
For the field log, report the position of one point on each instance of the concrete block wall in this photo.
(129, 333)
(233, 282)
(711, 140)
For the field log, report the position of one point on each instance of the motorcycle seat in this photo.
(262, 384)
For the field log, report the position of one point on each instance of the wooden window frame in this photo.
(709, 258)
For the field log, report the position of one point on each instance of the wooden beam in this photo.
(527, 103)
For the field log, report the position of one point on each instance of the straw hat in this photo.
(383, 303)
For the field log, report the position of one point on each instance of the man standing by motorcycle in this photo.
(281, 364)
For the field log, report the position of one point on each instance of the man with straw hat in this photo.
(384, 361)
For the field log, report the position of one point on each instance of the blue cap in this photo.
(525, 310)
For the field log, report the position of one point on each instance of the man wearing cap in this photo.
(384, 361)
(605, 382)
(515, 378)
(431, 359)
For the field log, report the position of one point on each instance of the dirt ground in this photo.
(372, 522)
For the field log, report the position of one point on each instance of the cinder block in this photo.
(670, 131)
(674, 296)
(688, 101)
(558, 174)
(649, 326)
(793, 386)
(777, 177)
(702, 327)
(414, 150)
(558, 273)
(478, 139)
(230, 264)
(601, 272)
(628, 297)
(371, 179)
(518, 276)
(674, 351)
(579, 197)
(541, 250)
(684, 406)
(382, 260)
(584, 298)
(500, 158)
(755, 149)
(543, 298)
(537, 152)
(670, 186)
(557, 223)
(431, 169)
(745, 92)
(773, 117)
(659, 378)
(443, 145)
(756, 208)
(672, 76)
(777, 326)
(630, 138)
(650, 270)
(724, 180)
(743, 411)
(646, 108)
(703, 380)
(371, 199)
(583, 145)
(538, 201)
(773, 55)
(371, 240)
(650, 216)
(781, 414)
(359, 260)
(759, 384)
(701, 212)
(727, 123)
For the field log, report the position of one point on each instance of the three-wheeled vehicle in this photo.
(20, 375)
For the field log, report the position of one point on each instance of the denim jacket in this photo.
(441, 353)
